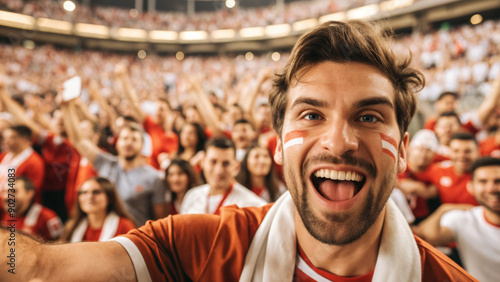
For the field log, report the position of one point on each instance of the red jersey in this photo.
(489, 147)
(452, 187)
(419, 206)
(85, 171)
(162, 141)
(38, 221)
(206, 247)
(124, 226)
(61, 160)
(31, 166)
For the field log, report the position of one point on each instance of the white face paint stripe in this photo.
(295, 137)
(296, 141)
(389, 146)
(389, 149)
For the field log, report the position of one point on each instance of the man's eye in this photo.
(368, 118)
(312, 117)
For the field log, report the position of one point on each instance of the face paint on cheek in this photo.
(389, 146)
(295, 137)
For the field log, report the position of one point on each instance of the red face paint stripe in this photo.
(294, 134)
(389, 153)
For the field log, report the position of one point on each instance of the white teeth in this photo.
(339, 175)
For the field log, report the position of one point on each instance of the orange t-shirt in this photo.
(161, 141)
(207, 247)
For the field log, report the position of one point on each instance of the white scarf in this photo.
(11, 162)
(272, 253)
(108, 229)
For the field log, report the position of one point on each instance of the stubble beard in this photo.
(339, 228)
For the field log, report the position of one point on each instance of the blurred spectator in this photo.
(29, 217)
(179, 178)
(98, 215)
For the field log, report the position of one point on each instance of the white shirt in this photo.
(197, 199)
(477, 241)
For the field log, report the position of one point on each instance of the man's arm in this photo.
(431, 230)
(97, 261)
(18, 111)
(130, 95)
(414, 187)
(490, 102)
(84, 146)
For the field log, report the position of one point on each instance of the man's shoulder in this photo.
(436, 266)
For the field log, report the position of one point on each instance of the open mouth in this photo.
(337, 185)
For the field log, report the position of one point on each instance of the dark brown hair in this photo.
(343, 42)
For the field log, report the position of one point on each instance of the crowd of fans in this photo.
(145, 131)
(179, 21)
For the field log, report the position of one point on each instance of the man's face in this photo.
(129, 144)
(57, 123)
(486, 187)
(462, 154)
(446, 104)
(445, 127)
(23, 198)
(161, 112)
(219, 167)
(242, 135)
(12, 141)
(420, 156)
(342, 171)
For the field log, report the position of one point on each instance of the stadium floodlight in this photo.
(230, 3)
(275, 56)
(340, 16)
(363, 12)
(305, 24)
(252, 32)
(193, 35)
(131, 34)
(163, 35)
(223, 34)
(16, 20)
(277, 30)
(91, 30)
(69, 6)
(56, 26)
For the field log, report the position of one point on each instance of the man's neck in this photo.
(214, 191)
(17, 152)
(491, 217)
(355, 259)
(130, 164)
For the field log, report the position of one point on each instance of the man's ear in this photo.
(278, 154)
(402, 156)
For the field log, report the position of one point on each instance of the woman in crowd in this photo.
(192, 140)
(179, 178)
(98, 215)
(257, 174)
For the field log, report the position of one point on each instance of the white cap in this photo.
(426, 138)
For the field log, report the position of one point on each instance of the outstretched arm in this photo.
(101, 261)
(130, 95)
(490, 102)
(84, 146)
(206, 108)
(414, 187)
(18, 111)
(431, 230)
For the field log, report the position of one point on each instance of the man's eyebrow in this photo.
(373, 101)
(310, 101)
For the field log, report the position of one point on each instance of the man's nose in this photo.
(339, 138)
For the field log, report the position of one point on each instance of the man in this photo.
(137, 183)
(219, 168)
(342, 109)
(243, 136)
(450, 177)
(447, 124)
(446, 102)
(162, 137)
(476, 230)
(421, 151)
(29, 217)
(21, 157)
